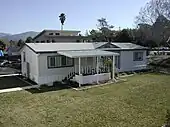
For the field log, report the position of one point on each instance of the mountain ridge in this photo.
(17, 37)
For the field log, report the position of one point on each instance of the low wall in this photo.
(92, 78)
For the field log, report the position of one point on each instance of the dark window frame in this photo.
(61, 66)
(57, 34)
(137, 58)
(51, 33)
(24, 57)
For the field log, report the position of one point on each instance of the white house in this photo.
(45, 63)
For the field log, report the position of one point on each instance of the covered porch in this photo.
(89, 66)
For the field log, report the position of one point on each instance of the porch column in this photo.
(113, 68)
(75, 66)
(79, 71)
(97, 69)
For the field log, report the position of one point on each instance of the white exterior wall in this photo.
(62, 33)
(58, 74)
(47, 75)
(31, 58)
(92, 78)
(128, 64)
(56, 39)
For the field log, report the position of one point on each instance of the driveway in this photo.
(7, 70)
(11, 82)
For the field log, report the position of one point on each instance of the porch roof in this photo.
(87, 53)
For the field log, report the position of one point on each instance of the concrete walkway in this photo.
(18, 89)
(8, 75)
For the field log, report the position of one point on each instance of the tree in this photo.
(152, 10)
(2, 45)
(20, 43)
(123, 36)
(62, 18)
(29, 40)
(153, 22)
(104, 32)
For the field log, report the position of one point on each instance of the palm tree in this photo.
(62, 19)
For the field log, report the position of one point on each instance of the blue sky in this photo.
(35, 15)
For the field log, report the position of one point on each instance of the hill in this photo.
(4, 34)
(16, 37)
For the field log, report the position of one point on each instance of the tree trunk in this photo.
(61, 27)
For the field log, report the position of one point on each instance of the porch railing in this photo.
(87, 70)
(92, 70)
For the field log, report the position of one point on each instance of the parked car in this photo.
(5, 63)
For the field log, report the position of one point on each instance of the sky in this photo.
(19, 16)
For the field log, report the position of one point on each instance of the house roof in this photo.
(128, 46)
(54, 47)
(44, 31)
(85, 53)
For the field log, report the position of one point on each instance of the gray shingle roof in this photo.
(89, 53)
(53, 47)
(128, 46)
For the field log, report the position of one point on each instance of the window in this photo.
(52, 62)
(42, 41)
(48, 41)
(138, 56)
(117, 62)
(53, 41)
(57, 33)
(69, 61)
(59, 61)
(37, 41)
(24, 59)
(63, 60)
(50, 33)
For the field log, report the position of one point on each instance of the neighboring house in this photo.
(84, 62)
(52, 36)
(13, 51)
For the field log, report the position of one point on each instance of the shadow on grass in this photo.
(46, 88)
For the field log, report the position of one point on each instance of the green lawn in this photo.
(142, 101)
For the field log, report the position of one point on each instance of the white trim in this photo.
(9, 75)
(79, 71)
(113, 68)
(97, 68)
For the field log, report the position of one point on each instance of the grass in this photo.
(142, 101)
